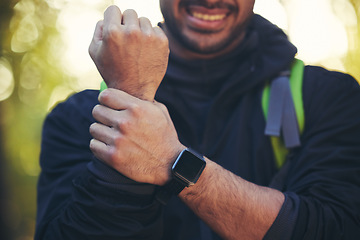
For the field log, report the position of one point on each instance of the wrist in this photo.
(171, 160)
(148, 95)
(185, 172)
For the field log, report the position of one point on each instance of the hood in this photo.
(264, 52)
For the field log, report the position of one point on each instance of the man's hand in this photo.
(135, 137)
(129, 53)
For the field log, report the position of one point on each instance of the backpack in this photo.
(284, 112)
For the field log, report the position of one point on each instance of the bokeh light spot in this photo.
(273, 11)
(6, 79)
(30, 77)
(144, 8)
(345, 11)
(319, 35)
(26, 34)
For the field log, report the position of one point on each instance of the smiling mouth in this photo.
(205, 11)
(208, 17)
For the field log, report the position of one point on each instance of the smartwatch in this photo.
(185, 172)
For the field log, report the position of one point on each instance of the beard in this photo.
(205, 44)
(200, 40)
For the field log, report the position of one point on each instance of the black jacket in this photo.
(216, 108)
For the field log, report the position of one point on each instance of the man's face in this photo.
(207, 26)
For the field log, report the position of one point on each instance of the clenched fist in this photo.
(129, 53)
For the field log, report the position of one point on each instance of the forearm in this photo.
(231, 206)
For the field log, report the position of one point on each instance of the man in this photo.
(208, 99)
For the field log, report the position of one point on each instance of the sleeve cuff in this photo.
(284, 224)
(111, 178)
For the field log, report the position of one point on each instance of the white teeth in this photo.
(207, 17)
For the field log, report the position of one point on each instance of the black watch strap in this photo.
(185, 171)
(164, 193)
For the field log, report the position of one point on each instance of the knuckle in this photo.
(124, 126)
(104, 96)
(118, 141)
(130, 12)
(114, 157)
(144, 19)
(150, 37)
(135, 109)
(133, 33)
(111, 34)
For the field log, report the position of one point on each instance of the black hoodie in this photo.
(216, 108)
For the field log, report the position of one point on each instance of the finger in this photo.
(117, 99)
(159, 31)
(130, 18)
(100, 150)
(97, 38)
(112, 19)
(98, 31)
(105, 115)
(145, 26)
(103, 133)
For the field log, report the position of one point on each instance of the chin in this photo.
(207, 44)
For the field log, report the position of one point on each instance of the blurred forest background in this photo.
(43, 59)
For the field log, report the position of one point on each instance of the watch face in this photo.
(188, 167)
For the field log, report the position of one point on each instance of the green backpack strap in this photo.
(103, 86)
(296, 81)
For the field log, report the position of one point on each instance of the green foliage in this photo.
(31, 47)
